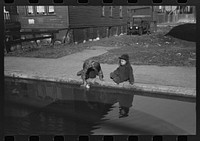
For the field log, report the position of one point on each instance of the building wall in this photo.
(91, 16)
(78, 23)
(164, 18)
(58, 20)
(87, 22)
(11, 19)
(142, 11)
(175, 13)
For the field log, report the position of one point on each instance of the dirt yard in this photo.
(154, 49)
(160, 48)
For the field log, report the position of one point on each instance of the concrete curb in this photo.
(151, 90)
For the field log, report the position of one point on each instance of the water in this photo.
(38, 107)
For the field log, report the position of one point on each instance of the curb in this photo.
(151, 90)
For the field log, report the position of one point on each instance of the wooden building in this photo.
(142, 10)
(175, 13)
(165, 14)
(11, 24)
(11, 21)
(75, 23)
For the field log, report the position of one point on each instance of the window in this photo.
(30, 10)
(51, 10)
(161, 9)
(111, 11)
(120, 11)
(6, 14)
(132, 10)
(17, 9)
(31, 21)
(40, 10)
(129, 12)
(103, 11)
(188, 9)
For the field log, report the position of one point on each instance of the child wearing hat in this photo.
(124, 72)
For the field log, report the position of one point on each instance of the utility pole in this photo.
(194, 13)
(152, 12)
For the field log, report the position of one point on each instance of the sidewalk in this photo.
(152, 78)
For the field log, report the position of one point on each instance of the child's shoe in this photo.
(123, 112)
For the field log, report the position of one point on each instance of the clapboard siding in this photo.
(145, 11)
(75, 17)
(91, 16)
(142, 10)
(58, 21)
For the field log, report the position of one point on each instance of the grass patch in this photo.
(153, 49)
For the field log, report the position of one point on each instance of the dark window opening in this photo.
(120, 12)
(40, 10)
(103, 11)
(111, 11)
(30, 10)
(51, 10)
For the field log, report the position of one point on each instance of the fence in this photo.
(164, 18)
(93, 33)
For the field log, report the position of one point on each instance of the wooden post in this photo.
(66, 36)
(52, 38)
(84, 34)
(98, 36)
(107, 32)
(34, 36)
(117, 30)
(73, 35)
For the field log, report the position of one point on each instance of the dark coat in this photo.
(123, 73)
(91, 69)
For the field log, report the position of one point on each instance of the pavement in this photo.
(170, 81)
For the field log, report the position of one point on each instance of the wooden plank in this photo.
(31, 32)
(12, 25)
(27, 40)
(91, 16)
(57, 20)
(141, 16)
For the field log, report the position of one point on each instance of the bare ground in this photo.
(153, 49)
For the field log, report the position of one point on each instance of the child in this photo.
(90, 70)
(125, 102)
(124, 72)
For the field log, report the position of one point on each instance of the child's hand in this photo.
(87, 86)
(101, 78)
(84, 84)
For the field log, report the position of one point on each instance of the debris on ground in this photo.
(154, 49)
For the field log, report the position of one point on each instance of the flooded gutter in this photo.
(151, 90)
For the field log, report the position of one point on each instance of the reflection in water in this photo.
(37, 107)
(125, 102)
(43, 108)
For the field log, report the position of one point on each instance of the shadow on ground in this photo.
(185, 32)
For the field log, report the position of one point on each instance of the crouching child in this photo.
(124, 72)
(91, 69)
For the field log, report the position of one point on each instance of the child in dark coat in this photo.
(124, 72)
(91, 69)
